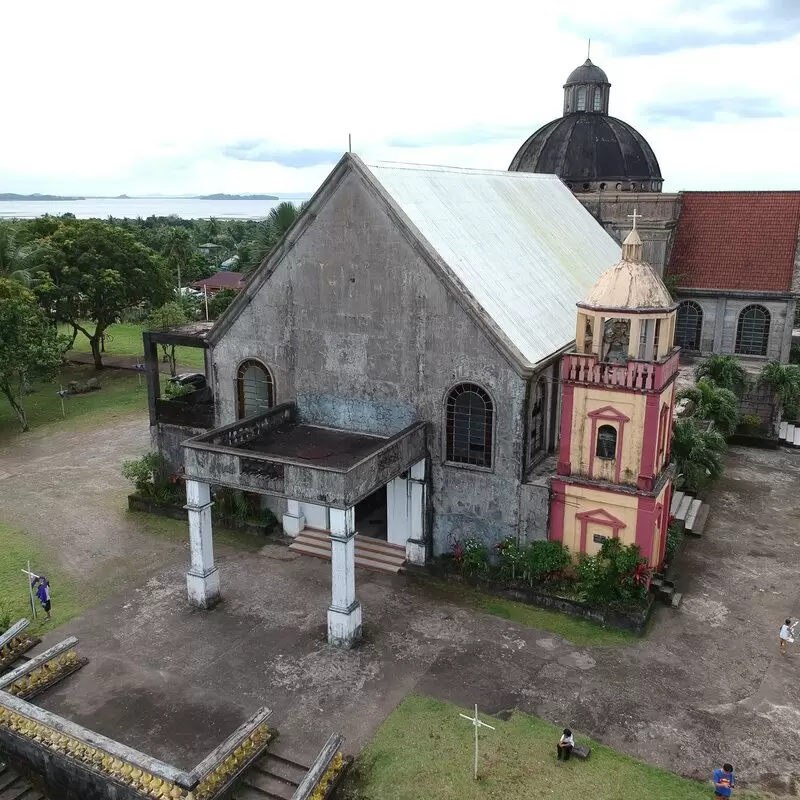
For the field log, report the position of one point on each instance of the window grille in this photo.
(469, 426)
(752, 331)
(255, 389)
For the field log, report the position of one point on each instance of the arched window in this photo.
(469, 426)
(689, 325)
(606, 442)
(538, 414)
(581, 105)
(255, 389)
(598, 99)
(752, 332)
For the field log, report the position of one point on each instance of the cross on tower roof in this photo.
(634, 217)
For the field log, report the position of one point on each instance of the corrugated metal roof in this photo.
(524, 247)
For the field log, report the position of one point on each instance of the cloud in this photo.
(463, 137)
(713, 24)
(712, 109)
(264, 151)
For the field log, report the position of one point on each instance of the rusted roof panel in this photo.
(522, 245)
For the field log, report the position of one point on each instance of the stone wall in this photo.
(167, 440)
(721, 317)
(357, 327)
(656, 227)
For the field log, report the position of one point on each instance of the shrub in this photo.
(545, 560)
(5, 616)
(510, 559)
(751, 421)
(617, 575)
(147, 473)
(674, 537)
(242, 506)
(173, 390)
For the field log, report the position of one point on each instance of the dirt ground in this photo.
(706, 685)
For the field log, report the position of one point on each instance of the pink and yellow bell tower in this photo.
(614, 477)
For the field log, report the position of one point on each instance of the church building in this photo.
(402, 373)
(733, 258)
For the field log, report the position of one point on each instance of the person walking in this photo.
(724, 781)
(565, 745)
(43, 593)
(786, 635)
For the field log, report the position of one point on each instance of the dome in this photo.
(590, 152)
(631, 285)
(586, 73)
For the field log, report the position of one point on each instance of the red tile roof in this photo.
(740, 241)
(221, 280)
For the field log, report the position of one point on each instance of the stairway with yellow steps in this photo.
(374, 554)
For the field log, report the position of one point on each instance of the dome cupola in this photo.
(587, 89)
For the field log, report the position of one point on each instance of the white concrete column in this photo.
(397, 507)
(293, 519)
(202, 579)
(344, 612)
(416, 545)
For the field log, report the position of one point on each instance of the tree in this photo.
(93, 272)
(698, 454)
(783, 380)
(715, 404)
(30, 348)
(220, 302)
(270, 232)
(16, 259)
(178, 249)
(168, 316)
(726, 371)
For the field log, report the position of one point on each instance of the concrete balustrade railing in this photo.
(43, 670)
(324, 772)
(14, 642)
(80, 763)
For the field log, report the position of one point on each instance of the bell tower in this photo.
(614, 477)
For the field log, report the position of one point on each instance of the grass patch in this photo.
(580, 632)
(425, 750)
(126, 340)
(68, 599)
(120, 394)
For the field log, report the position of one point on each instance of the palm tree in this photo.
(783, 380)
(178, 248)
(14, 260)
(726, 371)
(698, 454)
(270, 232)
(715, 404)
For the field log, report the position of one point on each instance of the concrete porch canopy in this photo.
(276, 454)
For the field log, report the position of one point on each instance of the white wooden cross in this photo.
(476, 723)
(634, 217)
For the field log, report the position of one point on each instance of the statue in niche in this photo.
(588, 335)
(616, 340)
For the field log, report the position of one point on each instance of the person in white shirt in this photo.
(565, 745)
(786, 634)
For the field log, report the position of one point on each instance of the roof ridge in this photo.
(409, 165)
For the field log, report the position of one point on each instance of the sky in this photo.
(178, 97)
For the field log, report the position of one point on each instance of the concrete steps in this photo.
(373, 554)
(789, 434)
(272, 777)
(13, 786)
(692, 512)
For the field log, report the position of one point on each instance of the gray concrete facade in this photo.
(357, 329)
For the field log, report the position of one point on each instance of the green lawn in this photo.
(69, 599)
(424, 750)
(122, 392)
(578, 631)
(126, 340)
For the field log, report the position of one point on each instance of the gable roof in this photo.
(520, 244)
(739, 241)
(517, 249)
(224, 279)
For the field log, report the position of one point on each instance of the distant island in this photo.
(11, 196)
(237, 197)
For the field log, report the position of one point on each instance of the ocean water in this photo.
(186, 208)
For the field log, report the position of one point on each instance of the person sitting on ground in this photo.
(724, 781)
(786, 635)
(565, 745)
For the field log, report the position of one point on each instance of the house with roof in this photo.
(735, 263)
(224, 279)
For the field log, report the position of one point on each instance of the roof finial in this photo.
(589, 50)
(634, 217)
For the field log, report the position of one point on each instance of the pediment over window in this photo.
(609, 413)
(599, 516)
